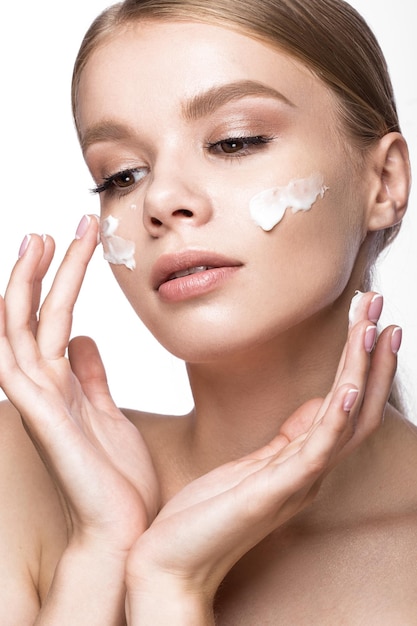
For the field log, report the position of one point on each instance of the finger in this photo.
(364, 306)
(49, 249)
(311, 450)
(295, 427)
(19, 300)
(352, 370)
(13, 381)
(378, 388)
(353, 374)
(55, 318)
(278, 490)
(88, 367)
(355, 363)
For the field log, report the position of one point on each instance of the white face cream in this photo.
(268, 207)
(354, 307)
(116, 250)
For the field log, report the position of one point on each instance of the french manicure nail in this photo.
(82, 227)
(350, 399)
(24, 245)
(375, 308)
(396, 339)
(370, 338)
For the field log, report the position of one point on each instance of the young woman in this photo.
(250, 168)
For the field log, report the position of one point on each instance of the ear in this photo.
(391, 180)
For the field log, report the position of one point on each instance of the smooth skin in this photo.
(92, 450)
(283, 497)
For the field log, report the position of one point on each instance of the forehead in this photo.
(159, 65)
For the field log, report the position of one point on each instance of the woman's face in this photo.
(182, 125)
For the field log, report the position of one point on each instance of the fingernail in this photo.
(375, 308)
(396, 339)
(370, 338)
(97, 218)
(350, 399)
(82, 227)
(24, 245)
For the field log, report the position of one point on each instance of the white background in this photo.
(44, 187)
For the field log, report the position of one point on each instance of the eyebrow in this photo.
(198, 106)
(209, 101)
(107, 130)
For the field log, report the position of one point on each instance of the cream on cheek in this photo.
(268, 207)
(116, 250)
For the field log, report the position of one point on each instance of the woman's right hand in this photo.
(200, 534)
(96, 457)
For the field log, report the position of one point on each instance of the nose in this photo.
(174, 197)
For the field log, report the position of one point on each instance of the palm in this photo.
(94, 454)
(217, 518)
(200, 534)
(93, 439)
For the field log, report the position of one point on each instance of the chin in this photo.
(216, 345)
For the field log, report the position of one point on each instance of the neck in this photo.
(241, 402)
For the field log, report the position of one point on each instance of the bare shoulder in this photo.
(353, 553)
(32, 528)
(157, 429)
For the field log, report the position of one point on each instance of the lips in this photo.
(189, 271)
(188, 265)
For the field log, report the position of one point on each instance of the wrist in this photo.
(160, 594)
(88, 589)
(165, 600)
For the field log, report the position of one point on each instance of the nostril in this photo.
(184, 212)
(178, 213)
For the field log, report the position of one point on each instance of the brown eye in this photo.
(124, 179)
(232, 145)
(239, 146)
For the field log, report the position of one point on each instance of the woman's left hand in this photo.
(210, 524)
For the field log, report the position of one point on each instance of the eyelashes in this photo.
(121, 181)
(238, 146)
(124, 181)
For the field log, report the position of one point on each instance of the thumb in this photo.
(300, 422)
(88, 367)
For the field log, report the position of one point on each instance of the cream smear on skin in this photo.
(354, 307)
(268, 207)
(116, 250)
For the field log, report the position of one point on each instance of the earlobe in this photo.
(392, 182)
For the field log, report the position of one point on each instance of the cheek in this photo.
(323, 246)
(118, 220)
(268, 207)
(117, 250)
(311, 254)
(123, 207)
